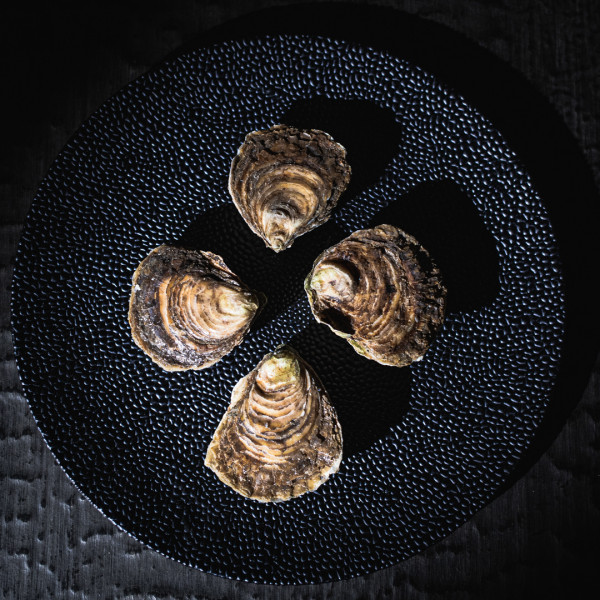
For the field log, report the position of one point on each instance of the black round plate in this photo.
(426, 446)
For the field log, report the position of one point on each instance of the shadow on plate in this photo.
(369, 398)
(444, 220)
(280, 276)
(369, 133)
(528, 123)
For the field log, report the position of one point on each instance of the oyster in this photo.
(379, 289)
(286, 181)
(280, 436)
(187, 309)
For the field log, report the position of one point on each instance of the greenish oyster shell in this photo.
(280, 436)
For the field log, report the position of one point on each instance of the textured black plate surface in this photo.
(425, 447)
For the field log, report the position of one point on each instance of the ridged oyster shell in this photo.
(379, 289)
(286, 181)
(280, 436)
(187, 309)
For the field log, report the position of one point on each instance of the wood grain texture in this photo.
(538, 538)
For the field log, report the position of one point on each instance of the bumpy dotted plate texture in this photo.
(426, 446)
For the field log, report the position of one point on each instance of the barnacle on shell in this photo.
(187, 309)
(280, 436)
(379, 289)
(286, 181)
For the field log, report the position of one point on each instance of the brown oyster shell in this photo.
(187, 309)
(280, 436)
(286, 181)
(379, 289)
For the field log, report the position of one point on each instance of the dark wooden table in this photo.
(538, 539)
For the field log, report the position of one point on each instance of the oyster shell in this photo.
(280, 436)
(286, 181)
(187, 309)
(379, 289)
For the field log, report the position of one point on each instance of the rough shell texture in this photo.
(379, 289)
(187, 309)
(280, 436)
(286, 181)
(440, 438)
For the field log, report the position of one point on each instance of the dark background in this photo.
(540, 538)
